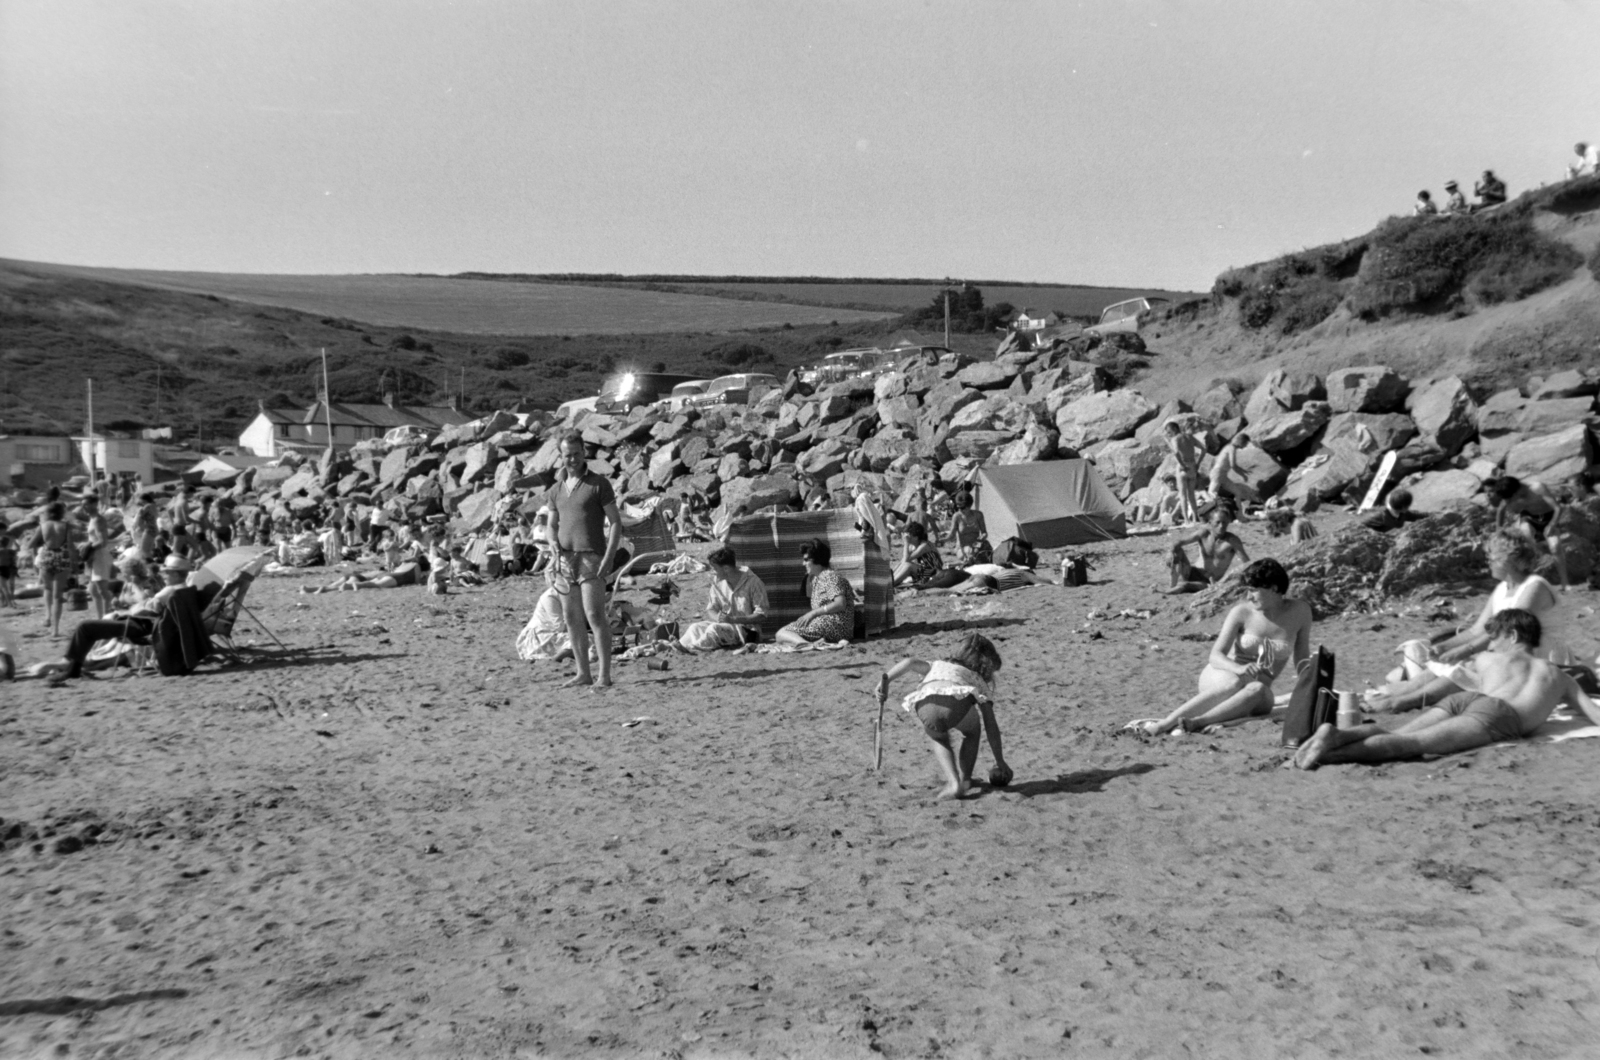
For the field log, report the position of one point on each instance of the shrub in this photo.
(507, 357)
(402, 342)
(1421, 264)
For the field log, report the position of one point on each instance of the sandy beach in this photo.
(398, 840)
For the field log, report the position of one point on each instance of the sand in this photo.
(399, 840)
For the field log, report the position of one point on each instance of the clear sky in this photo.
(1148, 142)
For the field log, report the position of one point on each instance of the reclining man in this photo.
(138, 621)
(1516, 693)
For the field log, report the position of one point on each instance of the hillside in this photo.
(1492, 298)
(215, 359)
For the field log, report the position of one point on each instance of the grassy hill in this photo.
(1491, 297)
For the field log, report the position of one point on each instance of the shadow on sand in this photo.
(1080, 782)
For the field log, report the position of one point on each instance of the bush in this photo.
(736, 354)
(1421, 264)
(507, 357)
(402, 342)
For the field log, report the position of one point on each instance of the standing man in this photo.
(1225, 469)
(582, 504)
(1187, 453)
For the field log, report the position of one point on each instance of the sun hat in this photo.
(177, 563)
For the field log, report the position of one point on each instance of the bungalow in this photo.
(275, 431)
(118, 457)
(37, 460)
(1027, 320)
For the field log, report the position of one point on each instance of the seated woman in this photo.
(545, 635)
(1511, 560)
(919, 557)
(970, 531)
(1259, 638)
(737, 607)
(833, 601)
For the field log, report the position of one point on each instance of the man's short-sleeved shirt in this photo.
(581, 513)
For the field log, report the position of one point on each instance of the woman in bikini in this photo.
(919, 557)
(1259, 638)
(52, 558)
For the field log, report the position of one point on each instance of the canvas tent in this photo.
(1050, 504)
(770, 546)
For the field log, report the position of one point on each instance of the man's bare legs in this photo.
(1433, 732)
(585, 606)
(1412, 695)
(100, 590)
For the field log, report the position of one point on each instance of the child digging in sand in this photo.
(954, 693)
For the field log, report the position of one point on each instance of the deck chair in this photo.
(223, 612)
(649, 538)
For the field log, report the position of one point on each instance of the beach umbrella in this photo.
(219, 569)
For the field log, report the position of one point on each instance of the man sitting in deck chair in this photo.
(168, 619)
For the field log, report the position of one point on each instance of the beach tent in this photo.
(1049, 504)
(770, 546)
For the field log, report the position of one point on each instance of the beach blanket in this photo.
(770, 546)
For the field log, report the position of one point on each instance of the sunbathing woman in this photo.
(919, 557)
(1259, 638)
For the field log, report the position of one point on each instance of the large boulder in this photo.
(945, 400)
(880, 452)
(825, 459)
(393, 468)
(1327, 473)
(899, 411)
(481, 461)
(978, 416)
(476, 511)
(1568, 384)
(1500, 413)
(1373, 388)
(1259, 475)
(1444, 413)
(762, 491)
(1102, 417)
(1437, 491)
(1281, 392)
(1290, 430)
(1370, 432)
(987, 375)
(1126, 464)
(1038, 442)
(301, 482)
(1221, 402)
(1552, 458)
(1551, 414)
(663, 465)
(976, 445)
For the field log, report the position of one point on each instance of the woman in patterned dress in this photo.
(833, 602)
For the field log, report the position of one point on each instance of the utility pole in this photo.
(327, 398)
(158, 394)
(90, 425)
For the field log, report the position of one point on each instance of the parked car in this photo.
(567, 408)
(627, 390)
(740, 388)
(684, 394)
(846, 364)
(1126, 315)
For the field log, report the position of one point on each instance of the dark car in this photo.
(625, 390)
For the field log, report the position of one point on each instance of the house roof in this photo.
(428, 417)
(281, 415)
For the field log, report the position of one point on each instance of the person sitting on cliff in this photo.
(1490, 190)
(1455, 202)
(1515, 694)
(1425, 206)
(1395, 513)
(1218, 546)
(1588, 162)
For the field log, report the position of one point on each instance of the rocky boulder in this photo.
(976, 445)
(987, 375)
(1437, 491)
(1552, 458)
(1551, 414)
(1374, 388)
(1100, 417)
(1569, 384)
(1444, 413)
(1126, 464)
(1290, 430)
(759, 492)
(1281, 392)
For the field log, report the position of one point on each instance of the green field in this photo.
(479, 307)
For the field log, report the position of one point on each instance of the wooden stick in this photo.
(877, 735)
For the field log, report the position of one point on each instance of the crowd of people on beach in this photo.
(1497, 679)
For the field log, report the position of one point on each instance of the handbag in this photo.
(1313, 701)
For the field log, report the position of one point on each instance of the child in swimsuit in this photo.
(971, 532)
(954, 694)
(8, 570)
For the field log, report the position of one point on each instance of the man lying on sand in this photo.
(1218, 548)
(1516, 693)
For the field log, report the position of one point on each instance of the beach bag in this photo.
(1313, 700)
(1075, 571)
(1015, 552)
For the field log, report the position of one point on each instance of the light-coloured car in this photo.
(684, 394)
(1126, 315)
(741, 388)
(847, 364)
